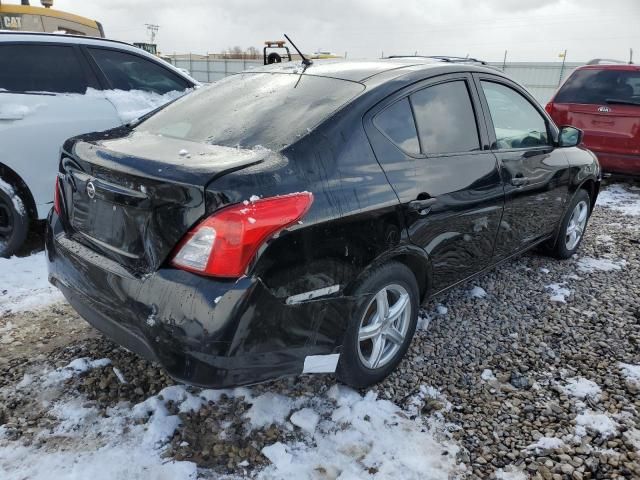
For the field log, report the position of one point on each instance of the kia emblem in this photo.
(91, 190)
(604, 109)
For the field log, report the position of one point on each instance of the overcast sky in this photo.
(528, 29)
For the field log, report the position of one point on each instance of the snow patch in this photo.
(269, 408)
(24, 284)
(582, 388)
(487, 375)
(134, 103)
(512, 474)
(13, 195)
(590, 265)
(620, 199)
(306, 418)
(558, 292)
(477, 292)
(631, 372)
(596, 422)
(546, 443)
(76, 367)
(365, 434)
(441, 309)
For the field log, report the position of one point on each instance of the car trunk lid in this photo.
(133, 198)
(611, 128)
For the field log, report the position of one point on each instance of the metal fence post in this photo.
(208, 69)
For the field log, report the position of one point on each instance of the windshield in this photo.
(601, 87)
(246, 110)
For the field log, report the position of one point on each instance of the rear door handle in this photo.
(422, 206)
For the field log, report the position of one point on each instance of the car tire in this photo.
(365, 361)
(14, 219)
(573, 226)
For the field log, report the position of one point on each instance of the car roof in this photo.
(62, 39)
(368, 71)
(611, 66)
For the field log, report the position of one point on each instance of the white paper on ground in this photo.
(321, 363)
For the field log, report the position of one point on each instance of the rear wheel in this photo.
(573, 226)
(14, 220)
(380, 333)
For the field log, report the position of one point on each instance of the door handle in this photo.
(422, 206)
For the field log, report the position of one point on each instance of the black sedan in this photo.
(291, 220)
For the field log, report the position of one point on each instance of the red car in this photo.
(603, 100)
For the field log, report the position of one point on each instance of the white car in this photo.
(53, 87)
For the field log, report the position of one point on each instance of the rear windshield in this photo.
(601, 87)
(246, 110)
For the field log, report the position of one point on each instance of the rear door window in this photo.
(601, 86)
(41, 68)
(126, 71)
(397, 124)
(445, 119)
(517, 123)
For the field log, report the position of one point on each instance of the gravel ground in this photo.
(528, 386)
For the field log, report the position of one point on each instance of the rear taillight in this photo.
(549, 108)
(224, 244)
(56, 197)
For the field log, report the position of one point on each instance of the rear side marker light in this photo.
(549, 108)
(224, 244)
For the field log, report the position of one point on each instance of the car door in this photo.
(535, 174)
(430, 141)
(148, 83)
(43, 102)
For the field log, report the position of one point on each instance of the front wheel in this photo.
(573, 226)
(380, 333)
(14, 220)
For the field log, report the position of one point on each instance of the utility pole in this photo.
(564, 59)
(630, 55)
(504, 61)
(153, 30)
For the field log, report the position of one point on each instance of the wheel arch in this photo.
(411, 256)
(10, 176)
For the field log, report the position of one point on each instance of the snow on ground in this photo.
(345, 434)
(582, 388)
(558, 292)
(631, 372)
(590, 421)
(510, 474)
(590, 264)
(25, 284)
(621, 199)
(487, 375)
(477, 292)
(546, 443)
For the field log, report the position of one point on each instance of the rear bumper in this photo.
(619, 164)
(203, 331)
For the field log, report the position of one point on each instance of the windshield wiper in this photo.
(620, 101)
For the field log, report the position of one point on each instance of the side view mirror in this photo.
(569, 136)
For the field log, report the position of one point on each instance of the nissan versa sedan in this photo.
(291, 220)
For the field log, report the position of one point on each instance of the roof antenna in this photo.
(305, 60)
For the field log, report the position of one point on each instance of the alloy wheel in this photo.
(576, 225)
(384, 326)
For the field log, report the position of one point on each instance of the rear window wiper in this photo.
(620, 101)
